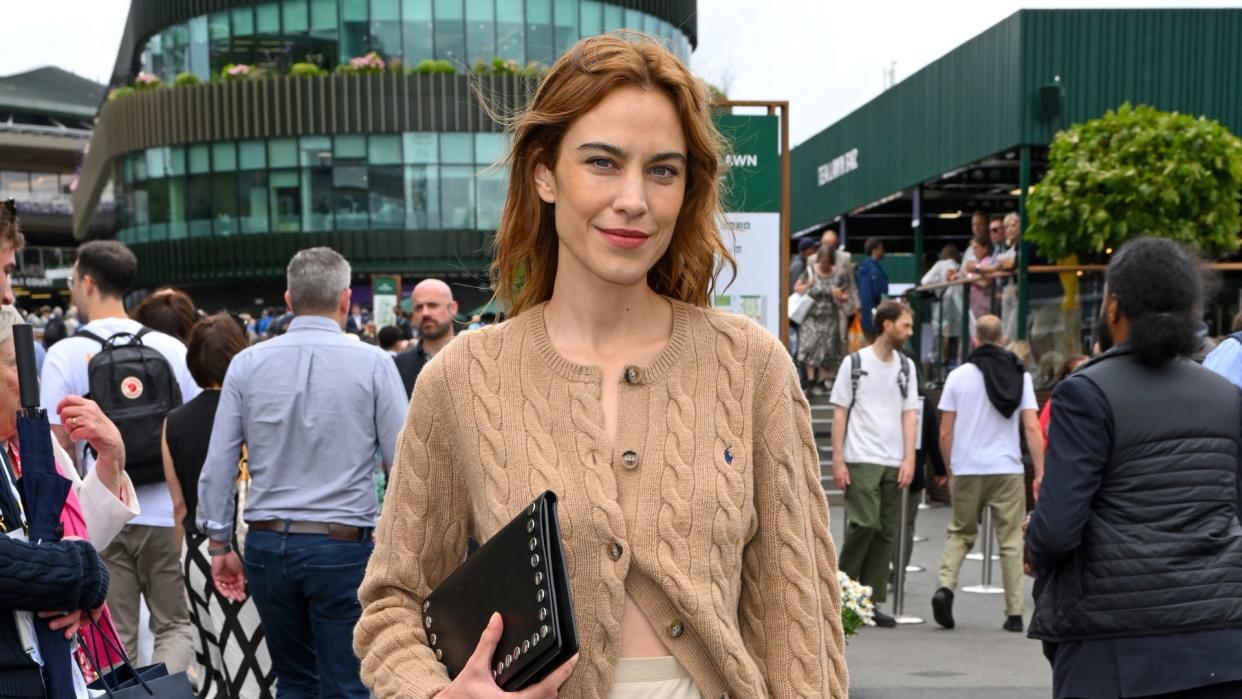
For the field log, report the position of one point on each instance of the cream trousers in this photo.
(652, 678)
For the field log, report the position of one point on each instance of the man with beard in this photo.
(434, 309)
(1136, 542)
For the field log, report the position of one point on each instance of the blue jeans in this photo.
(306, 589)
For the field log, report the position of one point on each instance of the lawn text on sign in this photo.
(841, 165)
(755, 230)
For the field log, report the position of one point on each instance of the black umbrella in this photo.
(43, 496)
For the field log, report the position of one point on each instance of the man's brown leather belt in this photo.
(341, 532)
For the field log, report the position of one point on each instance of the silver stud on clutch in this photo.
(539, 577)
(534, 543)
(432, 639)
(517, 652)
(500, 666)
(426, 606)
(439, 654)
(534, 560)
(530, 525)
(543, 630)
(508, 661)
(525, 646)
(540, 595)
(427, 621)
(534, 639)
(543, 613)
(532, 509)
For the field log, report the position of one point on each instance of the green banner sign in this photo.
(752, 181)
(385, 286)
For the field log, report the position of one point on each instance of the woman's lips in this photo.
(625, 238)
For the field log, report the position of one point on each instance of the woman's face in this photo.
(1011, 230)
(617, 186)
(981, 251)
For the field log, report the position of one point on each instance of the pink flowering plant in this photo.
(370, 63)
(147, 81)
(237, 71)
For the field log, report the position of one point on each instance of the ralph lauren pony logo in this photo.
(728, 454)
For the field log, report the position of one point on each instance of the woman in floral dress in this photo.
(822, 336)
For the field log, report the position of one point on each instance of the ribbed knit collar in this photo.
(659, 367)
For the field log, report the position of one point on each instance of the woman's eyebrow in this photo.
(622, 154)
(608, 148)
(668, 155)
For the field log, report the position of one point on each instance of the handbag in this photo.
(799, 306)
(520, 573)
(127, 682)
(857, 338)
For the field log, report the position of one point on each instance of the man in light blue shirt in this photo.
(313, 407)
(1226, 359)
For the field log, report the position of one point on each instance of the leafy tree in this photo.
(1138, 171)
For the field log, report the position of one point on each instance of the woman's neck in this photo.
(599, 319)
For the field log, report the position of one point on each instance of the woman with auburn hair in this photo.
(676, 437)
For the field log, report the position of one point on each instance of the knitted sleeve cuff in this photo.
(94, 578)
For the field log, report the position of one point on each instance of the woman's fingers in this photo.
(481, 660)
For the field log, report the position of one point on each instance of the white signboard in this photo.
(756, 292)
(385, 310)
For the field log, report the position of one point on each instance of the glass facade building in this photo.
(416, 180)
(225, 180)
(331, 32)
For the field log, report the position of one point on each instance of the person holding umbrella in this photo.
(41, 572)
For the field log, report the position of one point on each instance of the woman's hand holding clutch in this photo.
(475, 680)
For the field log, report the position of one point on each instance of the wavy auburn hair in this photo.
(525, 247)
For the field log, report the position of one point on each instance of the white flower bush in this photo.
(857, 609)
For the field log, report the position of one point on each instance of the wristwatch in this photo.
(216, 548)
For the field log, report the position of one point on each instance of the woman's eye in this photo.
(602, 163)
(663, 171)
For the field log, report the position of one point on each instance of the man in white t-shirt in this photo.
(144, 559)
(982, 404)
(873, 425)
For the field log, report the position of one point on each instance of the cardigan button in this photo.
(676, 630)
(614, 552)
(630, 459)
(631, 374)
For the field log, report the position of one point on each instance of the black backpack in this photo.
(136, 388)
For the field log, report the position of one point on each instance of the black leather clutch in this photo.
(520, 572)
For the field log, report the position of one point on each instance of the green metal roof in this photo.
(51, 91)
(983, 98)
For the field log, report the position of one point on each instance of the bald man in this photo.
(433, 310)
(984, 405)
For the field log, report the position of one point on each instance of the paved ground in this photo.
(976, 660)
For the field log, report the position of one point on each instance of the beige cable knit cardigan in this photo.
(711, 489)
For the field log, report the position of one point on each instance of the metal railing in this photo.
(1062, 306)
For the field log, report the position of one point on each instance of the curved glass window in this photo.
(277, 33)
(313, 184)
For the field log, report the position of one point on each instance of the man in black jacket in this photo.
(1136, 541)
(52, 581)
(434, 309)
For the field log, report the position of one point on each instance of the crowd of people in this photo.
(225, 469)
(147, 530)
